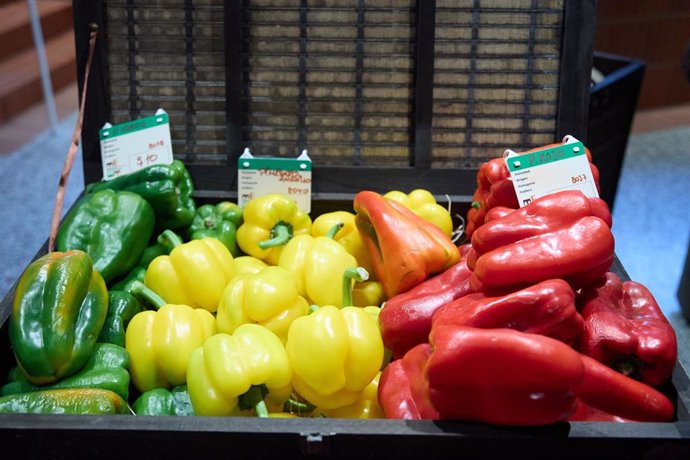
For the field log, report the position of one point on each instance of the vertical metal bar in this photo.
(134, 107)
(527, 101)
(303, 56)
(233, 30)
(190, 78)
(424, 83)
(577, 49)
(359, 70)
(43, 66)
(469, 113)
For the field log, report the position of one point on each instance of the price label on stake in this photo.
(133, 145)
(259, 176)
(550, 170)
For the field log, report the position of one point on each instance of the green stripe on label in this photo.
(133, 126)
(276, 164)
(542, 157)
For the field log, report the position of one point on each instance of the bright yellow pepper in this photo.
(423, 203)
(269, 223)
(268, 298)
(366, 406)
(368, 293)
(194, 274)
(161, 342)
(348, 235)
(249, 265)
(235, 371)
(335, 353)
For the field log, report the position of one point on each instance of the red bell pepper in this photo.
(403, 391)
(501, 376)
(587, 413)
(555, 236)
(546, 308)
(404, 248)
(405, 319)
(626, 330)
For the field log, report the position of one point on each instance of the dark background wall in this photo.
(657, 31)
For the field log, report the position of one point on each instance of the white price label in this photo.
(550, 170)
(133, 145)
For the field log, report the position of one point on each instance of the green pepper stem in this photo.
(280, 235)
(358, 274)
(255, 398)
(334, 229)
(312, 309)
(294, 406)
(476, 204)
(169, 239)
(140, 290)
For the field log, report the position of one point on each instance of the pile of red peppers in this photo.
(528, 325)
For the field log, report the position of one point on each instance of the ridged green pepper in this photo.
(112, 227)
(59, 308)
(218, 221)
(106, 369)
(65, 401)
(122, 306)
(167, 188)
(161, 401)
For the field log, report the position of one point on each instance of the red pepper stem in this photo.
(169, 239)
(280, 235)
(628, 366)
(358, 274)
(140, 290)
(334, 229)
(476, 204)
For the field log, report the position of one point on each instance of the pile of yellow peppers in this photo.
(288, 329)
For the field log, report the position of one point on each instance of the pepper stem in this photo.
(254, 398)
(334, 229)
(294, 406)
(140, 290)
(628, 366)
(169, 239)
(280, 235)
(476, 204)
(312, 309)
(358, 274)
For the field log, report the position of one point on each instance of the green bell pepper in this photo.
(168, 188)
(161, 401)
(59, 308)
(106, 369)
(122, 306)
(112, 227)
(65, 401)
(218, 221)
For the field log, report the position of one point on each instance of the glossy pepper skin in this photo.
(218, 221)
(366, 406)
(122, 306)
(626, 330)
(555, 236)
(268, 298)
(502, 376)
(160, 343)
(162, 402)
(403, 390)
(93, 401)
(228, 367)
(348, 236)
(60, 305)
(404, 248)
(546, 308)
(335, 353)
(405, 319)
(167, 188)
(106, 369)
(423, 203)
(195, 273)
(112, 227)
(269, 223)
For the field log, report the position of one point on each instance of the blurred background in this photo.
(651, 214)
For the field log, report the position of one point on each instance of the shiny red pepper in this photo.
(403, 390)
(547, 308)
(626, 330)
(587, 413)
(405, 319)
(555, 236)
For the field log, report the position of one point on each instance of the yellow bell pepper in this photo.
(365, 407)
(270, 222)
(268, 298)
(423, 203)
(249, 265)
(236, 371)
(194, 274)
(348, 235)
(318, 265)
(368, 293)
(335, 353)
(161, 342)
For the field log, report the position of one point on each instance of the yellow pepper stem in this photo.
(280, 235)
(169, 239)
(254, 398)
(140, 290)
(334, 229)
(358, 274)
(294, 406)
